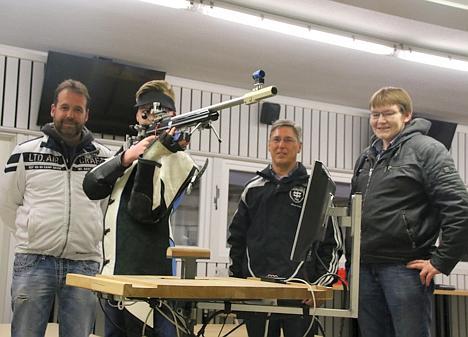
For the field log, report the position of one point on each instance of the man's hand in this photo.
(164, 145)
(132, 154)
(427, 270)
(160, 146)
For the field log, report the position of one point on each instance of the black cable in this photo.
(345, 292)
(234, 329)
(201, 332)
(222, 326)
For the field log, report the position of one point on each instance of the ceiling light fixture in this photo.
(454, 4)
(179, 4)
(433, 60)
(345, 40)
(258, 21)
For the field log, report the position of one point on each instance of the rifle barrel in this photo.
(212, 112)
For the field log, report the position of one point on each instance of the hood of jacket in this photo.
(412, 128)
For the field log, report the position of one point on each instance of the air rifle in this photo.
(202, 118)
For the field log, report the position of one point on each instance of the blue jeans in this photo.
(37, 279)
(393, 302)
(121, 323)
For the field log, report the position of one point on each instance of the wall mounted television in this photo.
(112, 87)
(313, 220)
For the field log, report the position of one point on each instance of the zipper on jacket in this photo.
(69, 210)
(408, 231)
(368, 183)
(371, 170)
(69, 171)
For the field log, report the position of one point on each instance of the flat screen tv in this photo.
(313, 220)
(112, 87)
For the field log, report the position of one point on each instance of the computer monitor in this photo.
(313, 220)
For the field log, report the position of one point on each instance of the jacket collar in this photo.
(417, 126)
(299, 172)
(55, 142)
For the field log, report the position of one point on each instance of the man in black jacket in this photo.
(411, 192)
(263, 229)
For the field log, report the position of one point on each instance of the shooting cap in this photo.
(155, 96)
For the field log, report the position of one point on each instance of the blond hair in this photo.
(156, 85)
(390, 96)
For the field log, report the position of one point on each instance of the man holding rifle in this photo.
(142, 183)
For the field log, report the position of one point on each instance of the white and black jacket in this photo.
(263, 229)
(141, 199)
(42, 199)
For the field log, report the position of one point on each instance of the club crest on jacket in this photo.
(297, 194)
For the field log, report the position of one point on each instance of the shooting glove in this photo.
(165, 145)
(172, 142)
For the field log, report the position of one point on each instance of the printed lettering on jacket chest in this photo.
(46, 161)
(87, 162)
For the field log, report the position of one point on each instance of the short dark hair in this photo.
(75, 86)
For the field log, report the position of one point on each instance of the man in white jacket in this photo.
(58, 230)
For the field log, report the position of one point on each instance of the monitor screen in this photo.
(313, 220)
(442, 131)
(112, 87)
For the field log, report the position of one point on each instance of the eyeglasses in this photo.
(287, 140)
(385, 114)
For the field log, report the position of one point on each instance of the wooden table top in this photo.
(455, 292)
(209, 288)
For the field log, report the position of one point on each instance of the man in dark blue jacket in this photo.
(411, 192)
(263, 229)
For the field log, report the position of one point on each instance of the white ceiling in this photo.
(189, 45)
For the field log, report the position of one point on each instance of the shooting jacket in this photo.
(411, 192)
(141, 198)
(264, 226)
(42, 200)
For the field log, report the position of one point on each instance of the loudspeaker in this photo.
(442, 131)
(269, 112)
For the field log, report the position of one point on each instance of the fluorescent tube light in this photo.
(454, 4)
(434, 60)
(296, 30)
(180, 4)
(305, 32)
